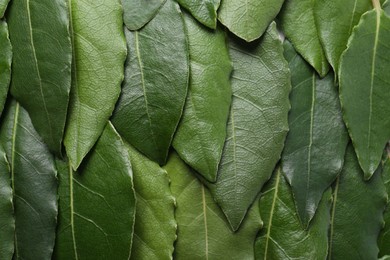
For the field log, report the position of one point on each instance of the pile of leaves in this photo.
(193, 130)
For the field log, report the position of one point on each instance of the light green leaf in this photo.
(248, 19)
(137, 13)
(283, 236)
(155, 224)
(34, 185)
(297, 22)
(314, 151)
(257, 124)
(98, 58)
(201, 133)
(3, 7)
(205, 11)
(357, 213)
(5, 63)
(97, 203)
(155, 86)
(364, 88)
(41, 68)
(384, 238)
(203, 231)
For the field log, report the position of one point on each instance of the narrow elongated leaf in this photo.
(248, 19)
(365, 89)
(283, 236)
(357, 212)
(297, 22)
(41, 69)
(205, 11)
(34, 185)
(98, 58)
(97, 203)
(3, 7)
(384, 238)
(5, 63)
(203, 231)
(156, 82)
(201, 133)
(155, 224)
(137, 13)
(315, 146)
(257, 124)
(7, 221)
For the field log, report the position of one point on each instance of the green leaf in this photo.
(257, 124)
(248, 19)
(137, 13)
(97, 203)
(203, 231)
(205, 11)
(155, 86)
(3, 7)
(41, 68)
(34, 185)
(364, 88)
(386, 7)
(384, 238)
(297, 22)
(314, 151)
(283, 236)
(201, 134)
(5, 63)
(335, 20)
(357, 213)
(99, 54)
(155, 224)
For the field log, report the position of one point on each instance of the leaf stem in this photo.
(376, 4)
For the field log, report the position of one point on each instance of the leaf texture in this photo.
(203, 231)
(3, 7)
(357, 212)
(41, 69)
(257, 125)
(205, 11)
(314, 151)
(297, 22)
(97, 203)
(5, 63)
(283, 236)
(201, 134)
(365, 89)
(384, 238)
(99, 54)
(155, 224)
(34, 185)
(248, 19)
(137, 13)
(155, 86)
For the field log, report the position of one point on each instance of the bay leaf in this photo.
(365, 89)
(205, 11)
(41, 67)
(201, 134)
(97, 203)
(5, 63)
(156, 82)
(384, 237)
(3, 7)
(137, 13)
(99, 53)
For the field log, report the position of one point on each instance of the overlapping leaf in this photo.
(205, 11)
(384, 238)
(3, 7)
(137, 13)
(5, 63)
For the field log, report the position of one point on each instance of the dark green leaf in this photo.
(205, 11)
(386, 7)
(97, 203)
(137, 13)
(201, 133)
(315, 146)
(98, 58)
(34, 185)
(41, 68)
(5, 63)
(364, 88)
(156, 82)
(3, 7)
(203, 231)
(384, 238)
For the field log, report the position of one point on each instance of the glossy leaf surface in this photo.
(155, 224)
(257, 125)
(203, 231)
(283, 236)
(99, 54)
(34, 185)
(201, 134)
(97, 203)
(314, 151)
(384, 238)
(137, 13)
(205, 11)
(297, 23)
(357, 212)
(5, 63)
(41, 68)
(155, 86)
(364, 88)
(248, 19)
(3, 7)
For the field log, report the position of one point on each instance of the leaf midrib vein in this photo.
(16, 118)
